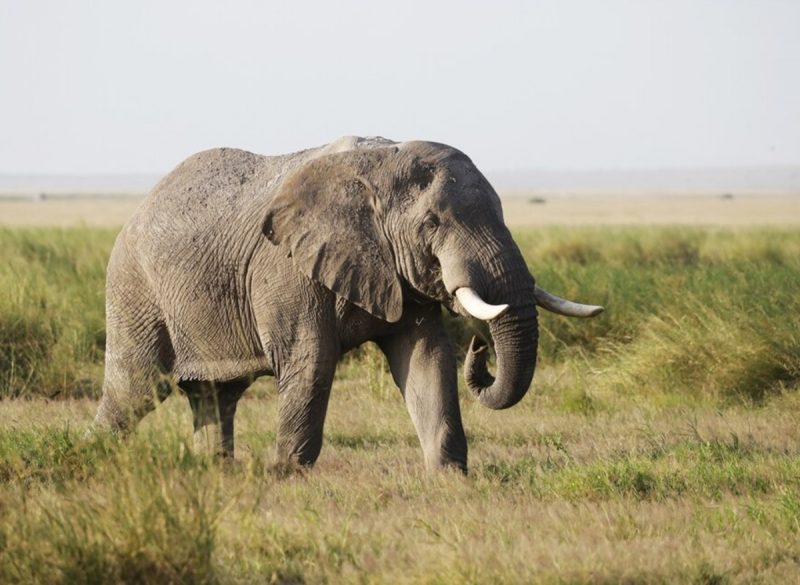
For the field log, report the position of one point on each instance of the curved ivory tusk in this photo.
(477, 307)
(564, 307)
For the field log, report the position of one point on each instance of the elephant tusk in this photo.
(564, 307)
(477, 307)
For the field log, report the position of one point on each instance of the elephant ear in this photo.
(327, 214)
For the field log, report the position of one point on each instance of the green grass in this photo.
(52, 322)
(660, 443)
(698, 312)
(708, 314)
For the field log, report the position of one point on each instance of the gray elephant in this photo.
(239, 265)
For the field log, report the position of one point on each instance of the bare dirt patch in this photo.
(90, 211)
(768, 210)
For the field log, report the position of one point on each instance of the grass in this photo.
(630, 496)
(660, 443)
(690, 311)
(52, 322)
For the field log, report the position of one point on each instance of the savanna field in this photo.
(660, 442)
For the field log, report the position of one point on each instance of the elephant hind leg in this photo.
(213, 410)
(138, 362)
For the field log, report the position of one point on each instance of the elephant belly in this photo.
(211, 361)
(216, 344)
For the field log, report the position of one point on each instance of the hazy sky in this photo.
(136, 86)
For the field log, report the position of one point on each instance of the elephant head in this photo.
(417, 221)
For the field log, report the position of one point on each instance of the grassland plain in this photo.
(660, 444)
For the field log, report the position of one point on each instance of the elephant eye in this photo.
(431, 222)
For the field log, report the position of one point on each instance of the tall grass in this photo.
(705, 313)
(151, 517)
(52, 323)
(709, 313)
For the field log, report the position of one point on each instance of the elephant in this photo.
(238, 265)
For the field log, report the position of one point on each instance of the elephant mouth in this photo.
(514, 331)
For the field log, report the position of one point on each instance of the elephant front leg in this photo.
(423, 366)
(304, 386)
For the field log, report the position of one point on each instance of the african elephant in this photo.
(239, 265)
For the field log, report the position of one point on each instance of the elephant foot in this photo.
(209, 441)
(287, 469)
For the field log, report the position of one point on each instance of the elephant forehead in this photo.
(468, 202)
(348, 143)
(434, 152)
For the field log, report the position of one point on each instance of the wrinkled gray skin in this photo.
(239, 265)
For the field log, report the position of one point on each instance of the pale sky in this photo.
(136, 86)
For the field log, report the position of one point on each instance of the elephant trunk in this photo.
(515, 335)
(494, 285)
